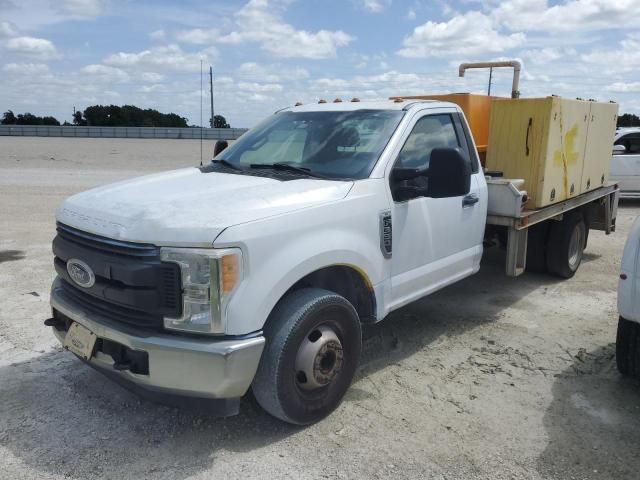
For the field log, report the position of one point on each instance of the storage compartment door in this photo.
(518, 141)
(602, 128)
(564, 161)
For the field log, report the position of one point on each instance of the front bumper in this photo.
(178, 365)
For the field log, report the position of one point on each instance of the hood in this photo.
(188, 207)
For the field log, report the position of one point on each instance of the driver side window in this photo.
(631, 143)
(431, 131)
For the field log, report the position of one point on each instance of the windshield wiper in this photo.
(289, 167)
(226, 163)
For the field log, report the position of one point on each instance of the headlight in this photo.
(209, 279)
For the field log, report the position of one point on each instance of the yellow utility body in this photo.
(560, 147)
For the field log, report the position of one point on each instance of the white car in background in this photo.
(625, 164)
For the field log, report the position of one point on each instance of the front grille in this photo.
(132, 284)
(109, 310)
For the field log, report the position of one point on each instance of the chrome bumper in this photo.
(178, 365)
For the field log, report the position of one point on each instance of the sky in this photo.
(268, 54)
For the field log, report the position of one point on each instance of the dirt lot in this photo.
(491, 378)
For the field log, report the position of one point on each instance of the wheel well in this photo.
(347, 282)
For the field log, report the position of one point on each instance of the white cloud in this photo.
(170, 57)
(570, 15)
(374, 6)
(470, 34)
(198, 36)
(30, 46)
(411, 14)
(105, 73)
(625, 57)
(7, 30)
(151, 77)
(271, 73)
(542, 56)
(258, 22)
(157, 35)
(80, 8)
(25, 68)
(260, 87)
(622, 87)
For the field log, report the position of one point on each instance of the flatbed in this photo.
(601, 204)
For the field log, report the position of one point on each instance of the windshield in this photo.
(336, 145)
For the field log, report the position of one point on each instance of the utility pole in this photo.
(211, 92)
(490, 75)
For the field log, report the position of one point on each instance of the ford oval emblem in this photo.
(81, 273)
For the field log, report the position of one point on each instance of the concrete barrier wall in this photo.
(121, 132)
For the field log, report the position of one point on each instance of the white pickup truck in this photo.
(258, 269)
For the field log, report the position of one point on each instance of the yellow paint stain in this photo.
(567, 156)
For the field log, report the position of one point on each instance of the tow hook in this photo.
(54, 322)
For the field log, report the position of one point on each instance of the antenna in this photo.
(200, 112)
(211, 92)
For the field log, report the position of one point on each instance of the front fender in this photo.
(279, 251)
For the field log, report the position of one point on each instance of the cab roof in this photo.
(367, 105)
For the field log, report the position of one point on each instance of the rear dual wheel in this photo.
(312, 350)
(557, 247)
(565, 249)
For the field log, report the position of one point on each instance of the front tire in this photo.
(312, 351)
(628, 348)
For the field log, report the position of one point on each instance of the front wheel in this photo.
(312, 350)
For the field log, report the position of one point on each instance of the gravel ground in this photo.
(491, 378)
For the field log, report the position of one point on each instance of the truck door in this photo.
(436, 241)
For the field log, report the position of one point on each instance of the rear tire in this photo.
(628, 348)
(537, 248)
(312, 351)
(566, 245)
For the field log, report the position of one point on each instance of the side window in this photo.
(631, 143)
(431, 131)
(413, 173)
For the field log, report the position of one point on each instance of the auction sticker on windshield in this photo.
(80, 340)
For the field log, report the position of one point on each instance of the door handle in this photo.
(470, 200)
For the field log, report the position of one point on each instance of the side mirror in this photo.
(219, 146)
(449, 173)
(619, 149)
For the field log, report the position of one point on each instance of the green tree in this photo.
(77, 118)
(220, 122)
(8, 118)
(50, 121)
(130, 116)
(628, 120)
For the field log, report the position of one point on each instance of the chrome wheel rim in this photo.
(319, 358)
(576, 244)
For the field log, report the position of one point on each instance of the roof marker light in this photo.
(355, 99)
(337, 100)
(298, 104)
(322, 100)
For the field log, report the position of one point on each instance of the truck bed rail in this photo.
(531, 217)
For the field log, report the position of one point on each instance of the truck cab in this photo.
(257, 270)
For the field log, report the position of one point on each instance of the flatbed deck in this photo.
(517, 226)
